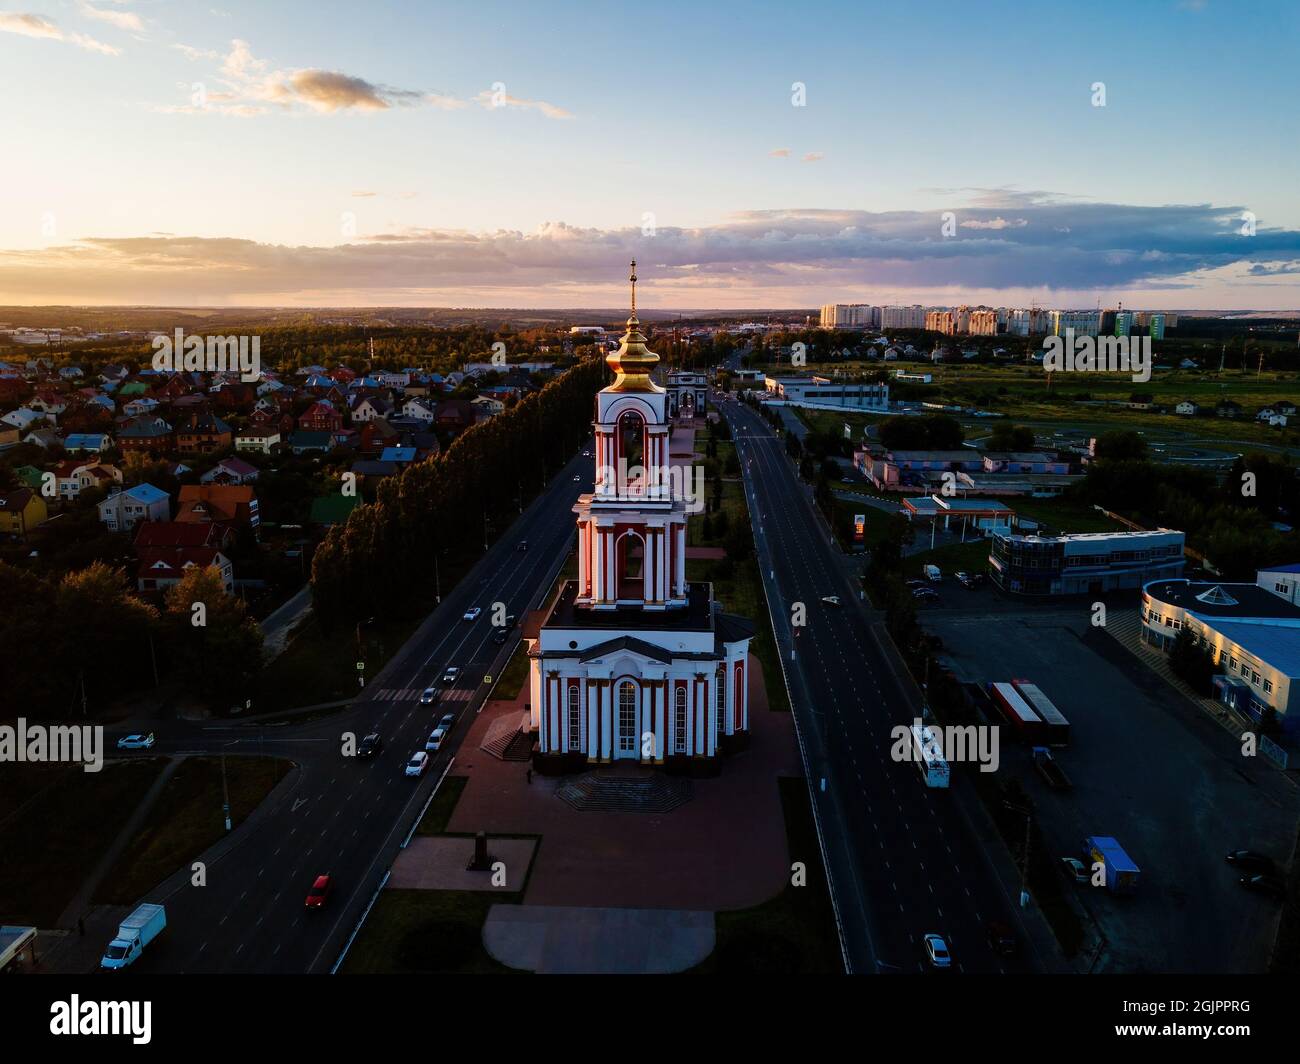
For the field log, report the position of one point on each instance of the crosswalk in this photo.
(412, 694)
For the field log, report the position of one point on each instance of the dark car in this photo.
(523, 545)
(1002, 940)
(500, 636)
(1271, 886)
(448, 721)
(369, 746)
(1250, 861)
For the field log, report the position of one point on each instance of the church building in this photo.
(631, 661)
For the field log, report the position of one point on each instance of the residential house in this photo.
(234, 505)
(125, 509)
(148, 433)
(230, 471)
(454, 415)
(370, 408)
(419, 410)
(20, 511)
(142, 405)
(376, 435)
(488, 406)
(202, 433)
(261, 440)
(1227, 408)
(307, 442)
(161, 567)
(321, 416)
(1188, 408)
(87, 442)
(44, 438)
(23, 418)
(74, 475)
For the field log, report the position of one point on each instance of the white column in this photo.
(582, 558)
(607, 719)
(589, 711)
(658, 695)
(647, 587)
(680, 532)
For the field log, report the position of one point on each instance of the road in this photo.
(341, 816)
(901, 859)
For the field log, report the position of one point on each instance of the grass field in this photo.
(59, 821)
(443, 805)
(187, 819)
(427, 932)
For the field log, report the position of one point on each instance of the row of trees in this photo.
(84, 640)
(381, 560)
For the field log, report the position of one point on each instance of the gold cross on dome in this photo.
(633, 280)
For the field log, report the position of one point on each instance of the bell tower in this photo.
(632, 529)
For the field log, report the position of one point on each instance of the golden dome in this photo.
(633, 361)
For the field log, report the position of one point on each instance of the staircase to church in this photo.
(605, 792)
(507, 738)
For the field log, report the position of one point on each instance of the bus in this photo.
(927, 753)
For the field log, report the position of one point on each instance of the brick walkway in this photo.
(724, 849)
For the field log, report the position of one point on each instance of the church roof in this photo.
(732, 628)
(628, 642)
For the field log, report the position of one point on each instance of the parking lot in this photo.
(1148, 767)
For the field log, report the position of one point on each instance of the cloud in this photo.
(363, 194)
(493, 98)
(26, 25)
(786, 258)
(780, 153)
(123, 20)
(251, 87)
(814, 157)
(995, 223)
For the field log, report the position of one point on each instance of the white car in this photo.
(450, 675)
(936, 951)
(472, 613)
(135, 742)
(576, 478)
(831, 600)
(434, 742)
(418, 763)
(430, 696)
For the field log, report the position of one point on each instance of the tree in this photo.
(1008, 437)
(1120, 446)
(221, 654)
(1191, 663)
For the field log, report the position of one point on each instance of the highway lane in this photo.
(346, 817)
(915, 868)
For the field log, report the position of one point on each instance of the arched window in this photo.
(679, 722)
(627, 729)
(720, 684)
(575, 719)
(631, 447)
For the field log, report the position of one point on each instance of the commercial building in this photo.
(816, 391)
(1085, 564)
(1251, 631)
(982, 516)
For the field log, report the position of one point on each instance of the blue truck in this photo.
(1122, 872)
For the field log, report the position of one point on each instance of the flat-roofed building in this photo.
(1089, 563)
(1251, 632)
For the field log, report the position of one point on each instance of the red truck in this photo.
(1017, 712)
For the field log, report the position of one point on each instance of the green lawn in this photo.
(68, 819)
(793, 933)
(513, 676)
(443, 805)
(427, 932)
(187, 819)
(1062, 515)
(321, 667)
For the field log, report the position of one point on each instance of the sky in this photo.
(748, 155)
